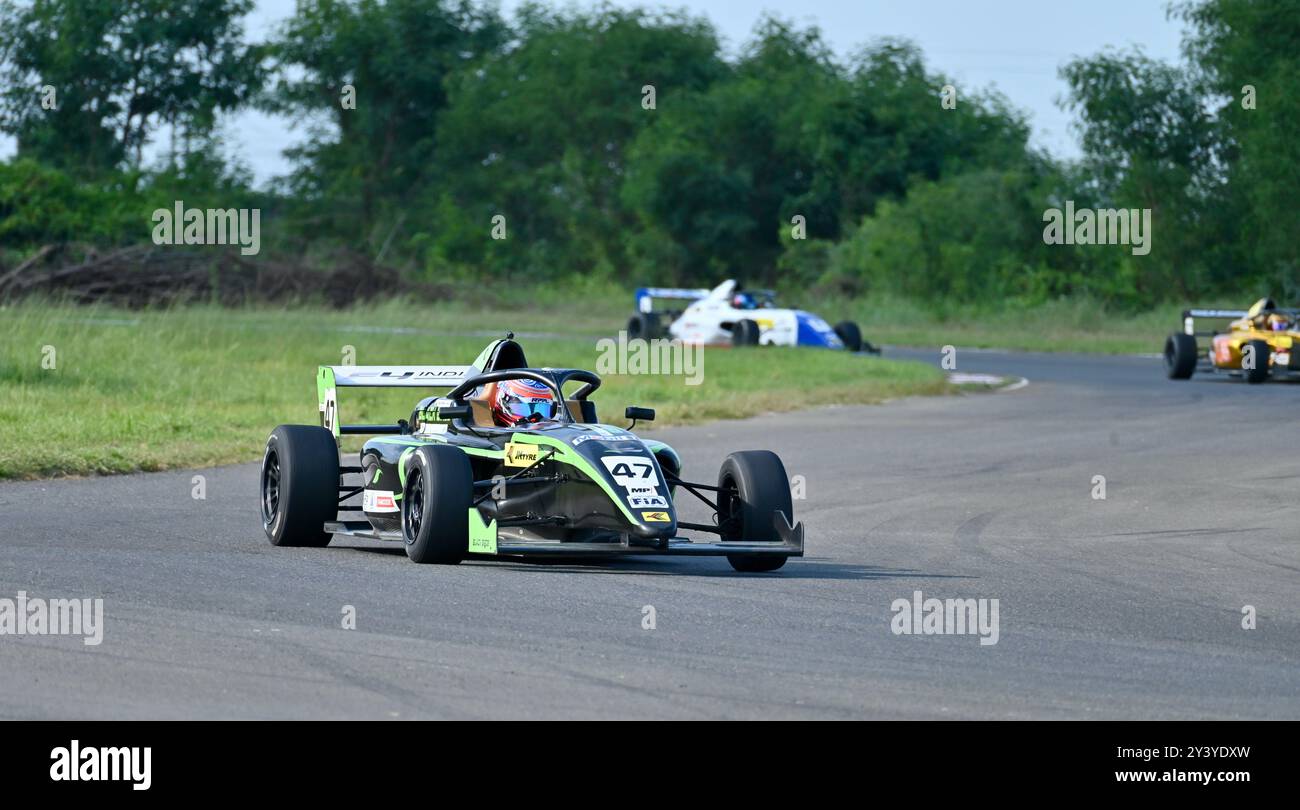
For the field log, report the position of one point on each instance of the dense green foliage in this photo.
(625, 145)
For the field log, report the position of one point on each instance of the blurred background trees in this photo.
(545, 120)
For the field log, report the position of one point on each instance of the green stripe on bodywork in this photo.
(423, 440)
(568, 455)
(401, 470)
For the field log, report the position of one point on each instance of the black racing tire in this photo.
(1263, 352)
(744, 333)
(299, 485)
(1180, 356)
(436, 500)
(644, 325)
(850, 335)
(752, 486)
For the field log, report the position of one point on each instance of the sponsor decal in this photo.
(631, 471)
(647, 501)
(522, 455)
(375, 501)
(431, 374)
(482, 534)
(1223, 349)
(656, 517)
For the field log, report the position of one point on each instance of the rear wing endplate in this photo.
(330, 378)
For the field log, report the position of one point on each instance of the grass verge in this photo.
(198, 386)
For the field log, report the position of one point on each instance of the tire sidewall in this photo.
(446, 480)
(309, 477)
(762, 488)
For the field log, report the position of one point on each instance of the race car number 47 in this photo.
(636, 474)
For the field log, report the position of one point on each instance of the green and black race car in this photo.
(450, 482)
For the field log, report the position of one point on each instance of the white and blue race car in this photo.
(731, 315)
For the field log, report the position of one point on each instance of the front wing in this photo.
(790, 544)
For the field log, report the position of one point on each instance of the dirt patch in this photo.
(148, 275)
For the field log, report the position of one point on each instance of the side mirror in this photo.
(639, 414)
(446, 413)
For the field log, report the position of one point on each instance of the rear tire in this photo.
(849, 335)
(299, 485)
(1180, 356)
(744, 333)
(436, 500)
(752, 487)
(644, 325)
(1263, 352)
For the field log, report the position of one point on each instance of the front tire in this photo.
(1263, 352)
(752, 486)
(1180, 356)
(436, 500)
(850, 335)
(299, 485)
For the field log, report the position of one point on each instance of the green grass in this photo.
(200, 385)
(1077, 325)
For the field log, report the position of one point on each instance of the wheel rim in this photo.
(271, 487)
(413, 506)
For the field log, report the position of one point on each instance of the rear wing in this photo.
(1190, 316)
(645, 296)
(330, 378)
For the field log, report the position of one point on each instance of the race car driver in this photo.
(522, 404)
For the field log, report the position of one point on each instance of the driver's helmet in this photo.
(1278, 323)
(744, 300)
(522, 403)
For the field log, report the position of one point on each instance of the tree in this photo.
(365, 159)
(1249, 55)
(120, 69)
(1151, 143)
(541, 134)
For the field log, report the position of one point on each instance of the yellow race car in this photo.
(1260, 341)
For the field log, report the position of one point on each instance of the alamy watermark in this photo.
(946, 617)
(77, 763)
(1101, 226)
(657, 356)
(212, 226)
(34, 616)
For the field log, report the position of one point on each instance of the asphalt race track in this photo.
(1127, 607)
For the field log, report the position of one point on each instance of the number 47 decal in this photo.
(628, 471)
(622, 470)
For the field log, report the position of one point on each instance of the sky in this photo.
(1015, 46)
